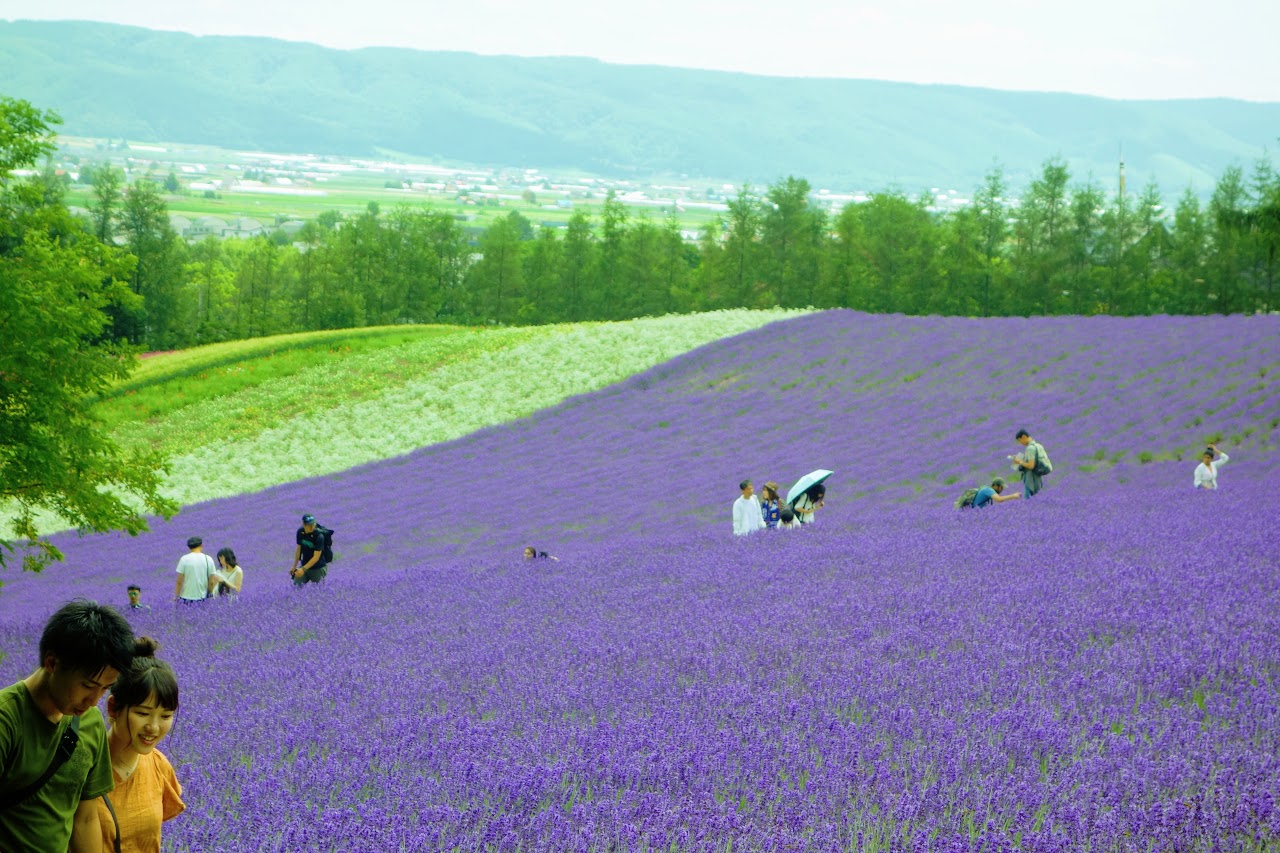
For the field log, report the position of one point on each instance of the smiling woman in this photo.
(142, 706)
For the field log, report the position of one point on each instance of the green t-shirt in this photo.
(28, 742)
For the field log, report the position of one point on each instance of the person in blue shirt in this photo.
(993, 494)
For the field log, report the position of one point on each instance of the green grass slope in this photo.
(247, 415)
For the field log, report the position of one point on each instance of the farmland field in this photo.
(1094, 669)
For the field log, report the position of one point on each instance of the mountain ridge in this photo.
(627, 120)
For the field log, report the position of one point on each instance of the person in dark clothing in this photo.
(309, 559)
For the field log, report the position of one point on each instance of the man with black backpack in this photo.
(313, 554)
(1032, 463)
(54, 760)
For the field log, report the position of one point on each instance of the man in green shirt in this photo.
(83, 648)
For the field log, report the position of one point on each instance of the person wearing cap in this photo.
(993, 494)
(195, 574)
(308, 558)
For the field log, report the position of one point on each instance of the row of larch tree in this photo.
(1060, 248)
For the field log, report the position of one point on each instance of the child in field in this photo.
(787, 518)
(141, 708)
(532, 553)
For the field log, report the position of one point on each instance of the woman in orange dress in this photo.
(141, 709)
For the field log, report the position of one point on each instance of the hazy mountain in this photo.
(145, 85)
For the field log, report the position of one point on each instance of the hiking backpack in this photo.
(327, 535)
(965, 501)
(1043, 465)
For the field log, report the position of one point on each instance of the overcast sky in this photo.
(1113, 48)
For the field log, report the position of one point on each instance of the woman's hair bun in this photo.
(145, 647)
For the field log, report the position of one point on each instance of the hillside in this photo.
(252, 93)
(1092, 669)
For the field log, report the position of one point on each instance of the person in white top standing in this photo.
(747, 517)
(1206, 476)
(228, 578)
(195, 574)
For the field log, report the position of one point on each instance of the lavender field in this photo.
(1095, 669)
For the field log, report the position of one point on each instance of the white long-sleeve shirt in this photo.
(747, 517)
(1206, 476)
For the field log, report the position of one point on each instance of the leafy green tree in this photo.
(449, 255)
(679, 260)
(543, 260)
(56, 285)
(579, 259)
(496, 280)
(792, 234)
(993, 224)
(1263, 223)
(1187, 291)
(260, 289)
(899, 248)
(1042, 242)
(157, 275)
(607, 293)
(1147, 263)
(107, 181)
(644, 275)
(210, 284)
(965, 271)
(1228, 258)
(743, 252)
(1079, 286)
(711, 279)
(847, 268)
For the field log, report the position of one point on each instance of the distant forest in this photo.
(612, 120)
(1065, 248)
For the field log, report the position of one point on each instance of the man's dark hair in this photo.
(195, 542)
(88, 637)
(1021, 433)
(743, 485)
(787, 514)
(134, 586)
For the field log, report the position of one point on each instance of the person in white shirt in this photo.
(195, 574)
(809, 502)
(228, 578)
(747, 517)
(1206, 476)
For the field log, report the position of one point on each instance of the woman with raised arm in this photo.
(1206, 475)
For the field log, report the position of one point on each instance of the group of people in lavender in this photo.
(769, 511)
(200, 578)
(71, 780)
(1032, 464)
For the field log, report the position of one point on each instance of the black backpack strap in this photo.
(115, 820)
(66, 746)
